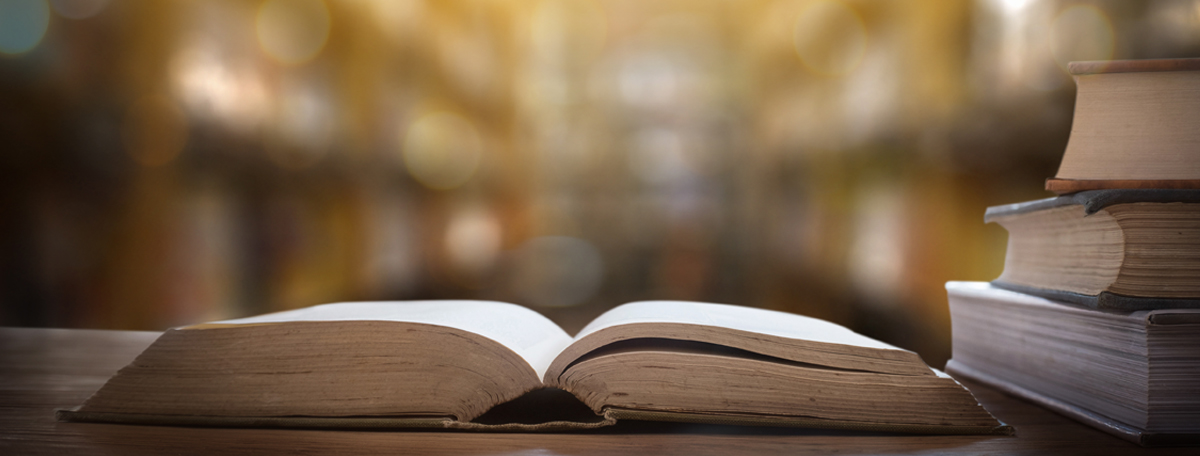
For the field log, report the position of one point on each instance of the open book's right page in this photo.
(782, 335)
(715, 363)
(747, 319)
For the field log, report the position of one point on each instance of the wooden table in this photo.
(45, 369)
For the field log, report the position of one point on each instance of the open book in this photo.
(495, 366)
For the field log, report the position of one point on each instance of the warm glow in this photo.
(825, 157)
(154, 130)
(398, 18)
(568, 29)
(442, 150)
(473, 240)
(1013, 6)
(211, 86)
(830, 38)
(649, 81)
(293, 31)
(22, 24)
(1081, 32)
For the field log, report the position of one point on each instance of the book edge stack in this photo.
(1094, 195)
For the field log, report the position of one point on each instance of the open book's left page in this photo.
(531, 335)
(442, 361)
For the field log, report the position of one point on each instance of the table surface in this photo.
(46, 369)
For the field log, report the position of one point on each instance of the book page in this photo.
(762, 321)
(531, 335)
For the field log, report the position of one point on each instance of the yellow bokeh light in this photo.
(442, 150)
(1081, 32)
(568, 29)
(292, 31)
(830, 38)
(154, 130)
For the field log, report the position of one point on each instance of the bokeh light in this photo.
(22, 24)
(213, 88)
(473, 241)
(830, 38)
(154, 131)
(442, 150)
(1081, 32)
(398, 19)
(79, 9)
(1013, 6)
(293, 31)
(568, 30)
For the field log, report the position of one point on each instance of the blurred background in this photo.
(167, 162)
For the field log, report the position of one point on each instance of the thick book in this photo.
(1134, 126)
(494, 366)
(1105, 249)
(1131, 374)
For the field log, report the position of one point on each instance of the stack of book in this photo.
(1097, 312)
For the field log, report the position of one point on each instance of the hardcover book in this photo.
(1134, 126)
(1131, 374)
(1105, 249)
(494, 366)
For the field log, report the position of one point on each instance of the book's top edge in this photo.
(1095, 200)
(1132, 66)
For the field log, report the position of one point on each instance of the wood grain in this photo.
(1067, 186)
(45, 369)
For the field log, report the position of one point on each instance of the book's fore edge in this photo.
(1105, 300)
(1116, 428)
(1132, 66)
(734, 419)
(1095, 200)
(1121, 430)
(1067, 186)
